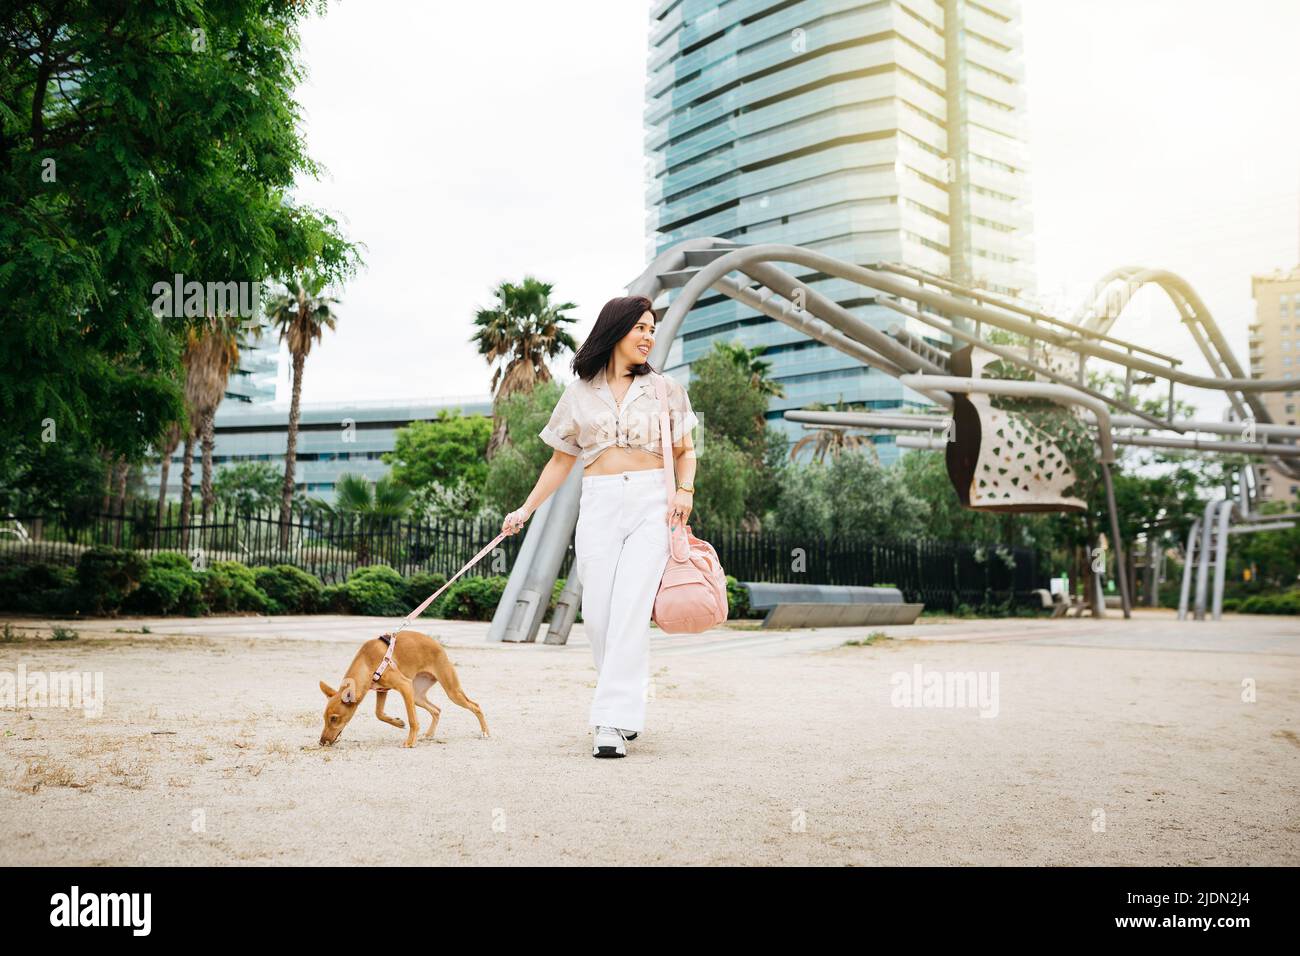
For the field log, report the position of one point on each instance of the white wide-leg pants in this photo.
(622, 550)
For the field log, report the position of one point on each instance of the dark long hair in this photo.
(615, 321)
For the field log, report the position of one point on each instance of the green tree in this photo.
(447, 450)
(251, 487)
(369, 507)
(517, 337)
(301, 314)
(727, 403)
(734, 462)
(210, 354)
(751, 364)
(724, 483)
(514, 469)
(1273, 557)
(442, 464)
(851, 494)
(138, 142)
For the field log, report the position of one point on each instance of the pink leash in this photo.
(391, 638)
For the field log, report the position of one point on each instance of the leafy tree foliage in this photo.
(138, 141)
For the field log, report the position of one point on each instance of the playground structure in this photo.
(980, 415)
(1207, 546)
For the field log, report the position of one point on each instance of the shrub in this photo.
(38, 588)
(419, 586)
(334, 598)
(376, 590)
(737, 598)
(471, 598)
(1285, 603)
(106, 577)
(289, 590)
(230, 586)
(171, 560)
(167, 589)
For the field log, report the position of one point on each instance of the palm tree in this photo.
(374, 509)
(748, 361)
(517, 337)
(171, 437)
(832, 439)
(301, 314)
(210, 353)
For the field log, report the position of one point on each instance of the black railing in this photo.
(328, 546)
(942, 575)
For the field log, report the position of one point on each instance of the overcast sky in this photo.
(470, 143)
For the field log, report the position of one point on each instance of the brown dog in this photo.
(419, 662)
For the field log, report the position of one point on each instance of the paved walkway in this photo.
(1108, 742)
(1158, 630)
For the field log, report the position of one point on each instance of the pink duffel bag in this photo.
(693, 591)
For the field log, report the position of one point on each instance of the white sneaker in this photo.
(609, 743)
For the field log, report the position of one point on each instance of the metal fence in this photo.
(328, 546)
(942, 575)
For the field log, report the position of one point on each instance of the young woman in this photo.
(609, 417)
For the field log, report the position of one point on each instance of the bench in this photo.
(829, 605)
(1061, 604)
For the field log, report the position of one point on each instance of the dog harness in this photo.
(391, 638)
(391, 641)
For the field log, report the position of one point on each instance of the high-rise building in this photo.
(871, 131)
(253, 382)
(334, 438)
(1275, 353)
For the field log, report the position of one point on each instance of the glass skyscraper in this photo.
(873, 132)
(253, 381)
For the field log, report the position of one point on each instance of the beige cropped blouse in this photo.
(587, 419)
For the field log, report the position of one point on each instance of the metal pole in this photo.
(1203, 569)
(1189, 561)
(1120, 571)
(1221, 558)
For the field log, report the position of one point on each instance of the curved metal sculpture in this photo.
(702, 265)
(1116, 289)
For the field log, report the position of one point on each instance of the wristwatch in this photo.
(686, 488)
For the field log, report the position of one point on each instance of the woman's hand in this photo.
(515, 520)
(680, 512)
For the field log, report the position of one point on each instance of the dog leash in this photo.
(391, 638)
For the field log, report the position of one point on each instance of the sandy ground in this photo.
(1113, 742)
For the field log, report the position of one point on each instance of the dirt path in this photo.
(206, 753)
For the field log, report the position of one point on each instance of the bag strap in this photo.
(665, 435)
(666, 446)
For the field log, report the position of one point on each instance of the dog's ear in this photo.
(349, 690)
(327, 690)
